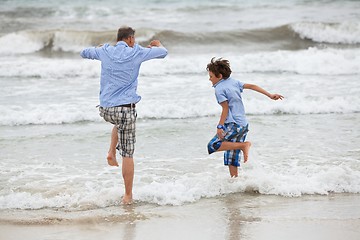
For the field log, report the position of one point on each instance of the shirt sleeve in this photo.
(241, 86)
(91, 53)
(220, 96)
(153, 52)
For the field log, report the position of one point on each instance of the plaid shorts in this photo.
(124, 118)
(233, 133)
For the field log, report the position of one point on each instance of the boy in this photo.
(233, 126)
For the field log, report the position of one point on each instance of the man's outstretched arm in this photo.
(91, 52)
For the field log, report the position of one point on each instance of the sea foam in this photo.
(328, 61)
(184, 188)
(56, 91)
(343, 33)
(312, 61)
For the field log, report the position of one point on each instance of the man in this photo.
(120, 66)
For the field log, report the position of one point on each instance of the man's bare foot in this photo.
(127, 200)
(111, 158)
(246, 151)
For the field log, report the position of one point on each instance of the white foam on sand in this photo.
(166, 187)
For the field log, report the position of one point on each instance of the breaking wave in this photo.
(291, 37)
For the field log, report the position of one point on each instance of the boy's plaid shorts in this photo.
(124, 118)
(233, 133)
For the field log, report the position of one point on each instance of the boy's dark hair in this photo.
(219, 66)
(124, 33)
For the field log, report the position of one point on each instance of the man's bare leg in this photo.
(233, 171)
(111, 157)
(128, 175)
(243, 146)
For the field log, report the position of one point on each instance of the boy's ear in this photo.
(220, 76)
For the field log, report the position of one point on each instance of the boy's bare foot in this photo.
(111, 158)
(127, 200)
(246, 151)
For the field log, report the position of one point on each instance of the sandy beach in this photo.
(235, 216)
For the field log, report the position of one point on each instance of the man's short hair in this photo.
(219, 66)
(124, 33)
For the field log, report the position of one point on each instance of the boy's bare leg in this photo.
(128, 175)
(243, 146)
(233, 171)
(111, 157)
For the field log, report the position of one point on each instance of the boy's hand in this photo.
(220, 133)
(276, 97)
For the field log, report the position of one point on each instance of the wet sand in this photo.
(232, 217)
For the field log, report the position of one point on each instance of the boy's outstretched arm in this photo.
(263, 91)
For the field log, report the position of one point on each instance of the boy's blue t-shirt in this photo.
(230, 90)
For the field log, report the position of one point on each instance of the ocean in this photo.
(53, 143)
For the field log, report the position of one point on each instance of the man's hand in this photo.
(154, 43)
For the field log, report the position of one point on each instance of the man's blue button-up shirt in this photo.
(120, 65)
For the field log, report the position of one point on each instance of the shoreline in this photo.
(232, 216)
